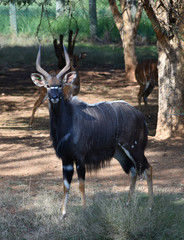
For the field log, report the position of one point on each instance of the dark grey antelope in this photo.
(90, 135)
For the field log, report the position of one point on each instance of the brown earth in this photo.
(27, 156)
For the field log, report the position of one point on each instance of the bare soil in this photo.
(27, 156)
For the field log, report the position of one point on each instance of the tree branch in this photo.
(116, 14)
(39, 25)
(155, 22)
(138, 16)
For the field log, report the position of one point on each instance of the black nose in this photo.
(54, 99)
(54, 96)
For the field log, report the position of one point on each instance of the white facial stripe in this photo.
(54, 87)
(67, 185)
(68, 167)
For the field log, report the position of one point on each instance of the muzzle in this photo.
(55, 94)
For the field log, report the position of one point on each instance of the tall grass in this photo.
(23, 216)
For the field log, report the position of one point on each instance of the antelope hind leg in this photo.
(148, 174)
(122, 158)
(132, 184)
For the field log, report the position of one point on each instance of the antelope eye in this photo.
(48, 86)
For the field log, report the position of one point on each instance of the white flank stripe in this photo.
(128, 154)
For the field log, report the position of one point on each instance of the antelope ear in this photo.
(70, 78)
(38, 79)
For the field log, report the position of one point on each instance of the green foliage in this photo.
(146, 52)
(145, 29)
(25, 2)
(4, 19)
(29, 18)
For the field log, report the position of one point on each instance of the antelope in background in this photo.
(147, 77)
(74, 66)
(89, 135)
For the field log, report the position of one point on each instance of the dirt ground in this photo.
(27, 156)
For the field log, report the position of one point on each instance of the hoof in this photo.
(150, 209)
(63, 216)
(150, 206)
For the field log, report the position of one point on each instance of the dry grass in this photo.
(24, 216)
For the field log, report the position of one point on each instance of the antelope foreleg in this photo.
(140, 95)
(66, 188)
(82, 192)
(81, 178)
(39, 101)
(67, 178)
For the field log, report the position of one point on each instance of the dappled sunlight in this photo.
(29, 153)
(20, 163)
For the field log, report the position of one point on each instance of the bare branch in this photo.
(154, 20)
(116, 14)
(48, 20)
(138, 16)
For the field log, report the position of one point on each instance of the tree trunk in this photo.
(128, 43)
(13, 18)
(127, 23)
(169, 34)
(92, 20)
(171, 91)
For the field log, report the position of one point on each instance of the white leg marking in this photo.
(78, 167)
(64, 205)
(145, 174)
(67, 185)
(68, 167)
(133, 171)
